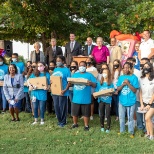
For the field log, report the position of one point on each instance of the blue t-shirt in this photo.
(64, 72)
(3, 71)
(104, 86)
(126, 96)
(20, 66)
(82, 93)
(40, 94)
(137, 65)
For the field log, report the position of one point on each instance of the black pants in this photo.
(102, 107)
(49, 103)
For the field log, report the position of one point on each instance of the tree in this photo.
(39, 20)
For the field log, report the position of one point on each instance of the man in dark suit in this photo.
(72, 48)
(52, 52)
(89, 47)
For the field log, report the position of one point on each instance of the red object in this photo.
(1, 50)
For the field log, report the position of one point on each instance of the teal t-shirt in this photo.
(20, 66)
(64, 72)
(104, 86)
(126, 96)
(3, 71)
(82, 93)
(40, 94)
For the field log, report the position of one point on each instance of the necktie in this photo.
(88, 50)
(71, 46)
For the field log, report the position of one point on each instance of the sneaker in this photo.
(132, 136)
(105, 119)
(151, 137)
(117, 119)
(146, 136)
(18, 119)
(86, 128)
(91, 118)
(81, 117)
(126, 123)
(75, 126)
(34, 123)
(102, 130)
(4, 111)
(42, 123)
(107, 131)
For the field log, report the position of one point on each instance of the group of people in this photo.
(133, 84)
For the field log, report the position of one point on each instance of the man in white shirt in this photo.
(147, 46)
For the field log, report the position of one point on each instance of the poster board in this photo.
(39, 82)
(56, 86)
(78, 81)
(80, 58)
(106, 92)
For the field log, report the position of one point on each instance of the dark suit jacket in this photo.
(76, 51)
(85, 53)
(50, 56)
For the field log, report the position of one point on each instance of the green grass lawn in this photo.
(23, 138)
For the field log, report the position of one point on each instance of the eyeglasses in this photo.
(136, 46)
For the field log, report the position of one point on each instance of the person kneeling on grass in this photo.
(39, 96)
(127, 86)
(105, 101)
(81, 102)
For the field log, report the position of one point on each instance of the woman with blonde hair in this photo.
(37, 55)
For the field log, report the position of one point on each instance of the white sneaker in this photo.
(91, 118)
(42, 123)
(126, 123)
(34, 123)
(105, 119)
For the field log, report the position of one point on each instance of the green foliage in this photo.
(22, 137)
(21, 58)
(40, 20)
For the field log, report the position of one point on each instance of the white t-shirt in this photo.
(115, 80)
(145, 48)
(92, 68)
(147, 88)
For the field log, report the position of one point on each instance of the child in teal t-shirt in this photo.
(105, 101)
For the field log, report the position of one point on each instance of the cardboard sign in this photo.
(56, 86)
(94, 73)
(77, 81)
(106, 92)
(39, 82)
(1, 83)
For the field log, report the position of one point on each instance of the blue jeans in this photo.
(116, 102)
(27, 105)
(4, 101)
(60, 104)
(130, 114)
(41, 105)
(139, 116)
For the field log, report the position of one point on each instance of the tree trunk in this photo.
(43, 39)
